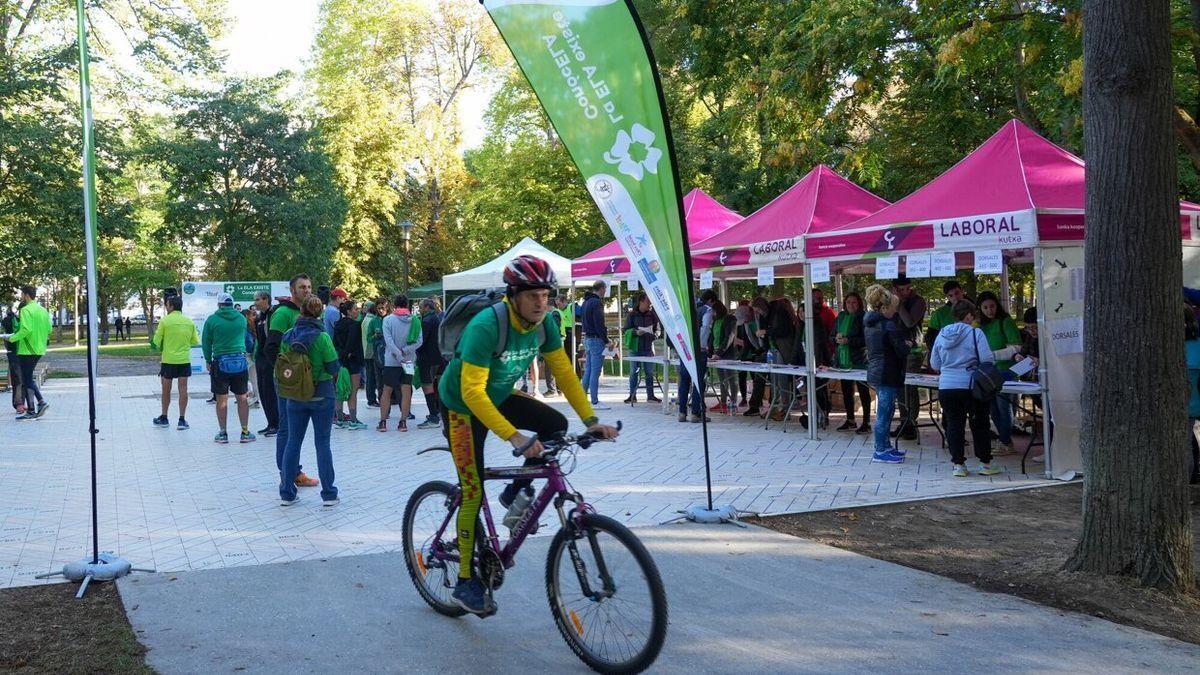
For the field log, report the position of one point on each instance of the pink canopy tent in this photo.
(1013, 192)
(704, 215)
(773, 235)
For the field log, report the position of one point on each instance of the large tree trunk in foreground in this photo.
(1135, 505)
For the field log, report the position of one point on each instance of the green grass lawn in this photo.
(131, 349)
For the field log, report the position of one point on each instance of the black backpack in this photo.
(464, 308)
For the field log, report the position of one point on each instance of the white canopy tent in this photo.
(491, 273)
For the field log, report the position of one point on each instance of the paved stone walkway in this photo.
(173, 500)
(740, 601)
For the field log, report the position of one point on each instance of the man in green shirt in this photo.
(943, 316)
(31, 337)
(283, 318)
(224, 343)
(174, 337)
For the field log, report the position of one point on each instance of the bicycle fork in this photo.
(576, 533)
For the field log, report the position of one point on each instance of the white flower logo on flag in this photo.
(627, 164)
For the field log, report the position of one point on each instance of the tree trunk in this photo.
(147, 305)
(1136, 519)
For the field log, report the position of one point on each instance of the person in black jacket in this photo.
(724, 339)
(347, 342)
(887, 351)
(851, 354)
(782, 331)
(644, 322)
(263, 366)
(595, 341)
(747, 342)
(9, 326)
(430, 362)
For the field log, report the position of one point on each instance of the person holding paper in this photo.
(851, 353)
(749, 346)
(957, 352)
(1005, 341)
(644, 323)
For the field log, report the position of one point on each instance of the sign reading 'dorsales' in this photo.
(1016, 229)
(820, 271)
(942, 264)
(887, 267)
(917, 266)
(989, 262)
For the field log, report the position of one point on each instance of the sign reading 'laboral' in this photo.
(592, 71)
(1017, 229)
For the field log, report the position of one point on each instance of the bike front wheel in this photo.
(606, 595)
(432, 561)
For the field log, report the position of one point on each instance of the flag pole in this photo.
(106, 566)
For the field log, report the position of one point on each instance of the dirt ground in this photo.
(1008, 542)
(46, 630)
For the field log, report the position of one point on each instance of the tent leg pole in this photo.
(810, 360)
(620, 331)
(839, 287)
(1005, 288)
(1043, 351)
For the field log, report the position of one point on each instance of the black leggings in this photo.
(467, 435)
(959, 405)
(33, 394)
(864, 396)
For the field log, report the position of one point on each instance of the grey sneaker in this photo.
(682, 417)
(429, 423)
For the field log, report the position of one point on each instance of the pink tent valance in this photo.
(773, 235)
(1013, 192)
(704, 215)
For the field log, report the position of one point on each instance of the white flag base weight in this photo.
(107, 567)
(715, 516)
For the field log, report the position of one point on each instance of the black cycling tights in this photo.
(467, 435)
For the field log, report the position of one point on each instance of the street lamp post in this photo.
(405, 230)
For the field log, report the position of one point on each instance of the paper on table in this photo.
(820, 271)
(1021, 367)
(766, 276)
(887, 267)
(917, 266)
(942, 264)
(706, 280)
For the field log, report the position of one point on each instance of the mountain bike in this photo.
(604, 589)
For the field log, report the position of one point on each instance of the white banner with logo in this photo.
(1015, 229)
(200, 300)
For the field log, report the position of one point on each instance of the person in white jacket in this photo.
(401, 338)
(957, 352)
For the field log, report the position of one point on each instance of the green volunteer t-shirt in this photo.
(477, 346)
(942, 316)
(1001, 334)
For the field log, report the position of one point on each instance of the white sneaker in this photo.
(331, 502)
(288, 502)
(1038, 459)
(601, 406)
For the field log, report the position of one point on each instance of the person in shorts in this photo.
(402, 339)
(174, 337)
(224, 341)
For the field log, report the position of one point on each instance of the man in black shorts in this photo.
(174, 337)
(224, 343)
(430, 362)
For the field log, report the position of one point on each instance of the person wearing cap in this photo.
(909, 316)
(174, 338)
(224, 343)
(333, 311)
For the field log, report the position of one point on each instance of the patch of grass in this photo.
(62, 374)
(132, 349)
(46, 630)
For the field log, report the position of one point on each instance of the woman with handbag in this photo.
(958, 354)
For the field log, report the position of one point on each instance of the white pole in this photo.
(1005, 290)
(620, 333)
(810, 356)
(1043, 351)
(839, 287)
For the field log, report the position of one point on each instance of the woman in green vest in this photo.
(851, 354)
(1005, 341)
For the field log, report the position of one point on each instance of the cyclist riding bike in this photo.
(477, 392)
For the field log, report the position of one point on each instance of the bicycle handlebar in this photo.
(583, 440)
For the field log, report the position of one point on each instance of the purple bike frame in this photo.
(556, 485)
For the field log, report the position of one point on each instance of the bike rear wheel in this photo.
(433, 575)
(606, 595)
